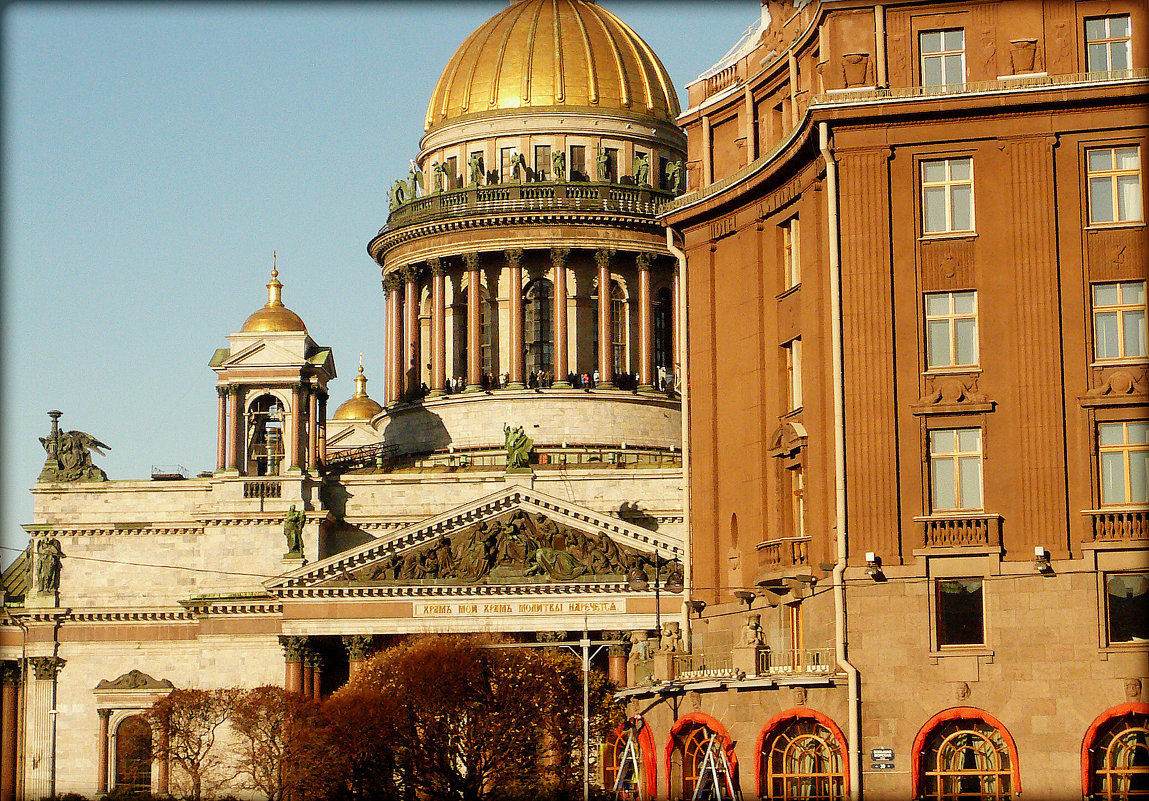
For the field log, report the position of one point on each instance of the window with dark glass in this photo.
(663, 322)
(577, 169)
(1127, 607)
(802, 761)
(612, 164)
(664, 173)
(960, 612)
(265, 427)
(1119, 759)
(965, 759)
(537, 327)
(134, 755)
(452, 173)
(542, 162)
(1108, 43)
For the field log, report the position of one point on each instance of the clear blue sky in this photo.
(155, 155)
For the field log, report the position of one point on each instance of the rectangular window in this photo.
(506, 159)
(1127, 607)
(1114, 176)
(955, 469)
(664, 173)
(577, 170)
(1123, 453)
(960, 612)
(453, 173)
(791, 263)
(1119, 320)
(943, 57)
(793, 374)
(612, 164)
(951, 329)
(542, 162)
(797, 501)
(1107, 44)
(947, 196)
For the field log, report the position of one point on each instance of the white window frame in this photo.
(791, 253)
(948, 183)
(955, 457)
(1111, 180)
(943, 56)
(951, 320)
(1109, 42)
(793, 350)
(1127, 451)
(1122, 310)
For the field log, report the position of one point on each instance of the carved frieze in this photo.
(1118, 386)
(135, 680)
(952, 394)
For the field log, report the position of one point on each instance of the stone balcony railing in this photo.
(638, 201)
(960, 531)
(784, 553)
(1115, 525)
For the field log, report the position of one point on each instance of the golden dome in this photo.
(359, 406)
(274, 316)
(553, 53)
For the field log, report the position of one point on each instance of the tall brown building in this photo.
(915, 259)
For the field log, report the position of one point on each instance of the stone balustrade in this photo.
(1109, 525)
(958, 531)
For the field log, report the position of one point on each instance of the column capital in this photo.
(391, 283)
(514, 257)
(104, 713)
(358, 645)
(559, 256)
(643, 261)
(45, 668)
(232, 389)
(410, 272)
(222, 390)
(471, 261)
(436, 266)
(11, 672)
(603, 256)
(293, 647)
(313, 658)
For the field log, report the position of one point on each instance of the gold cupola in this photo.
(359, 406)
(274, 316)
(553, 54)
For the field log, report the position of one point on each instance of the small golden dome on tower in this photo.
(274, 316)
(359, 406)
(553, 53)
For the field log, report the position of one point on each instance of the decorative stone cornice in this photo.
(127, 530)
(46, 668)
(216, 607)
(514, 257)
(603, 256)
(131, 617)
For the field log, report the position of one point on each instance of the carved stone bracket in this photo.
(436, 266)
(643, 261)
(471, 260)
(514, 257)
(409, 272)
(788, 439)
(45, 668)
(391, 283)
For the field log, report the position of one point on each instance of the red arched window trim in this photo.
(714, 726)
(785, 717)
(962, 713)
(1119, 711)
(646, 744)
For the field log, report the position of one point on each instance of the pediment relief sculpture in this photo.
(952, 394)
(135, 680)
(513, 547)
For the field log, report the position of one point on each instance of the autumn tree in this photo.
(187, 723)
(276, 751)
(473, 721)
(358, 737)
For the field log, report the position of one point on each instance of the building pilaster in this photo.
(515, 265)
(645, 322)
(561, 360)
(602, 258)
(438, 327)
(40, 729)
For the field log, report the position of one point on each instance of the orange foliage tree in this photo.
(188, 722)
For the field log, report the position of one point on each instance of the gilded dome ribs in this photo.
(623, 81)
(631, 38)
(478, 52)
(560, 88)
(497, 72)
(528, 67)
(591, 75)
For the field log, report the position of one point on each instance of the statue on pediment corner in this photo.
(69, 455)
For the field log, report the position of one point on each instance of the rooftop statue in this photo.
(69, 455)
(674, 175)
(559, 165)
(603, 165)
(518, 446)
(48, 556)
(641, 170)
(475, 164)
(293, 532)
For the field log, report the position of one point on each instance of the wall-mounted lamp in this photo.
(746, 596)
(1041, 561)
(696, 607)
(874, 566)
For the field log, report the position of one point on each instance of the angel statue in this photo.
(69, 456)
(48, 556)
(518, 447)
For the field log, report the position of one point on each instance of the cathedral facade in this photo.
(520, 474)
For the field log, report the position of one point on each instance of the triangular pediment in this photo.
(514, 536)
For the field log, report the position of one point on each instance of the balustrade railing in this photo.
(1107, 525)
(262, 489)
(784, 552)
(957, 531)
(797, 662)
(703, 665)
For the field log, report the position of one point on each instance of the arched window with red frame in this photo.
(692, 738)
(630, 752)
(1115, 754)
(965, 753)
(800, 758)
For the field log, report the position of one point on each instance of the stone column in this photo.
(316, 675)
(294, 458)
(39, 732)
(515, 263)
(616, 665)
(312, 429)
(9, 728)
(474, 324)
(602, 258)
(357, 646)
(102, 776)
(676, 347)
(221, 432)
(393, 386)
(236, 428)
(412, 358)
(561, 361)
(293, 663)
(438, 327)
(162, 766)
(308, 673)
(323, 427)
(645, 325)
